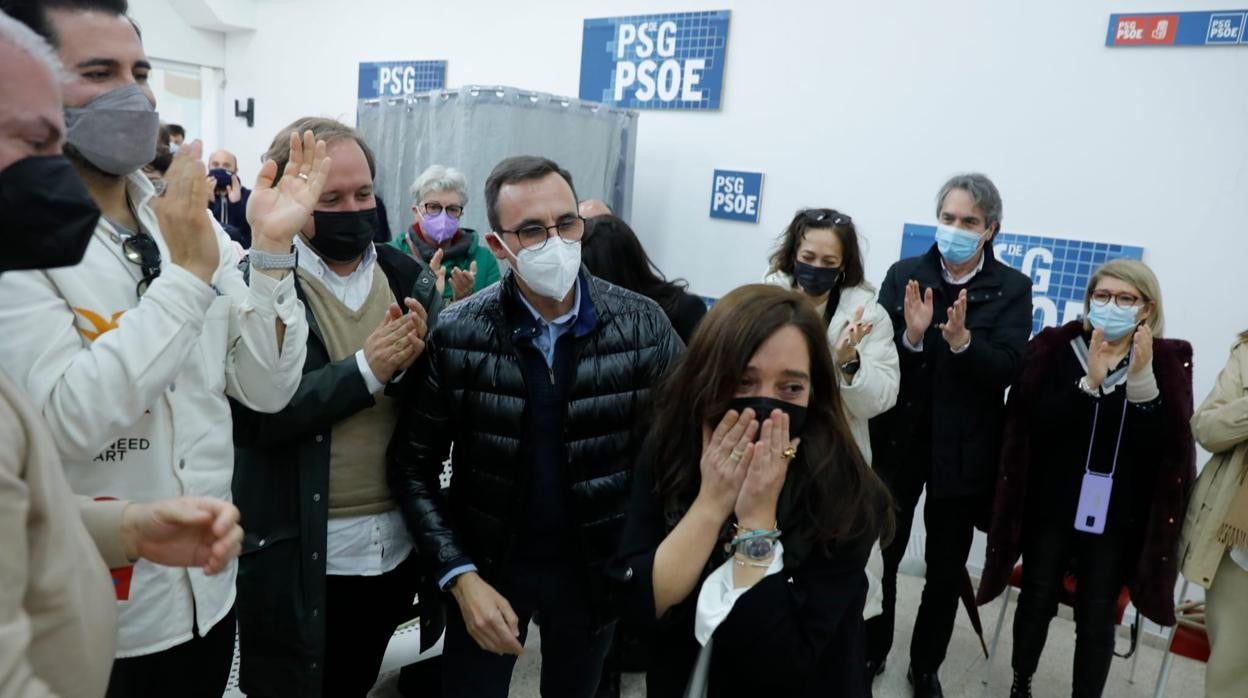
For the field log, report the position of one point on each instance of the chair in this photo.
(1188, 638)
(1066, 598)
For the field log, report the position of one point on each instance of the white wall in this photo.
(862, 106)
(167, 35)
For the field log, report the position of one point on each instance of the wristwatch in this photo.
(757, 548)
(851, 367)
(259, 259)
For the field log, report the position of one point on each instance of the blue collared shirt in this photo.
(551, 331)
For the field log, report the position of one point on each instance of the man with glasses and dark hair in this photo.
(961, 321)
(539, 382)
(439, 196)
(130, 355)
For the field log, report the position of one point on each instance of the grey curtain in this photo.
(473, 128)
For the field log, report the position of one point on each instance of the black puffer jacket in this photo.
(474, 396)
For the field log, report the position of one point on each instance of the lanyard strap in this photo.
(1096, 417)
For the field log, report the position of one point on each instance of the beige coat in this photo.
(1221, 427)
(58, 617)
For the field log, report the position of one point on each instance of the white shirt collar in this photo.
(352, 289)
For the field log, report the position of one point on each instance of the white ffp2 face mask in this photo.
(551, 270)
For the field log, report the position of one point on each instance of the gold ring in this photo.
(736, 456)
(789, 453)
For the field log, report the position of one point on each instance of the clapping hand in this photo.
(185, 223)
(1141, 349)
(397, 342)
(854, 332)
(278, 210)
(1100, 357)
(954, 329)
(918, 310)
(463, 281)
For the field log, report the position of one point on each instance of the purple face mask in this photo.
(439, 228)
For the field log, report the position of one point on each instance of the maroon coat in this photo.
(1151, 581)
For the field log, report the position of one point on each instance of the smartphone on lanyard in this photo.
(1094, 502)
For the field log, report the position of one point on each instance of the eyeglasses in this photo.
(1122, 300)
(826, 215)
(142, 250)
(434, 208)
(534, 236)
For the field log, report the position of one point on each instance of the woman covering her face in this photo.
(753, 512)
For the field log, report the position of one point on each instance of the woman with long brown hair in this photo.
(750, 492)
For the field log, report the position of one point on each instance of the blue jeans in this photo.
(573, 651)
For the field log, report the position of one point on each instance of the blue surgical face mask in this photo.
(956, 245)
(1115, 322)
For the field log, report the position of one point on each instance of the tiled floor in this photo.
(963, 673)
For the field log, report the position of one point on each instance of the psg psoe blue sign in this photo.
(736, 196)
(400, 78)
(667, 61)
(1059, 269)
(1218, 28)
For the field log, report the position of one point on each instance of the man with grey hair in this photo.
(962, 320)
(439, 196)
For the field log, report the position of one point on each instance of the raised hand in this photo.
(954, 330)
(463, 281)
(182, 531)
(439, 271)
(918, 311)
(756, 504)
(1100, 358)
(277, 211)
(235, 190)
(182, 213)
(1141, 349)
(847, 346)
(726, 455)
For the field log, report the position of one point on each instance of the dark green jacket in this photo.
(281, 486)
(460, 255)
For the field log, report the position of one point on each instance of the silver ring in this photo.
(302, 176)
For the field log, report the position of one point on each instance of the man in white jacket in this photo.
(130, 355)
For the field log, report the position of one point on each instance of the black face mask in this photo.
(763, 407)
(342, 236)
(47, 213)
(816, 280)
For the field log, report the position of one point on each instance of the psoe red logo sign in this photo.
(1146, 29)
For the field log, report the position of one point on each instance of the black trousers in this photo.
(950, 526)
(198, 668)
(1100, 566)
(361, 614)
(573, 650)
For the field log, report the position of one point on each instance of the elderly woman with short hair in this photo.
(439, 196)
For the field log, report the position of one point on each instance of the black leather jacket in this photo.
(474, 396)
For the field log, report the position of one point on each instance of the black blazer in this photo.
(950, 408)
